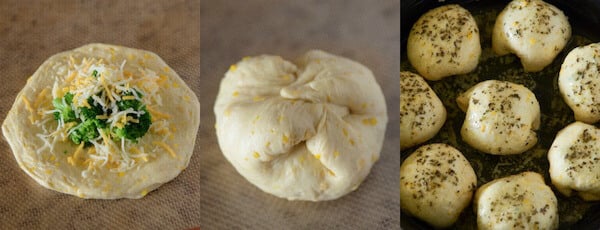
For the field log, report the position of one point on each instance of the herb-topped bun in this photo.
(521, 201)
(444, 42)
(422, 113)
(533, 30)
(575, 161)
(103, 121)
(579, 81)
(309, 130)
(501, 117)
(436, 184)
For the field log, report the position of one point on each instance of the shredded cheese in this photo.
(77, 151)
(71, 76)
(106, 84)
(40, 98)
(285, 139)
(166, 147)
(370, 121)
(29, 108)
(156, 114)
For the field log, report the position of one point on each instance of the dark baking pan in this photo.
(584, 17)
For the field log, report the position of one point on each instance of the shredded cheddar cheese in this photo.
(285, 139)
(40, 98)
(94, 82)
(166, 147)
(157, 114)
(29, 108)
(370, 121)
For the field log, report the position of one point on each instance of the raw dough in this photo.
(309, 131)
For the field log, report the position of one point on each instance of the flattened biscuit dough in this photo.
(58, 164)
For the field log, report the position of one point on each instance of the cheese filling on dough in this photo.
(117, 100)
(103, 122)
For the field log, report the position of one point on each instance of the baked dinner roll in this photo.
(579, 82)
(436, 184)
(309, 130)
(422, 114)
(104, 122)
(444, 42)
(521, 201)
(533, 30)
(575, 161)
(501, 117)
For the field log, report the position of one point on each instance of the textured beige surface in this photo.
(30, 33)
(364, 31)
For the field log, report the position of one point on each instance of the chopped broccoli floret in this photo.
(88, 123)
(126, 104)
(90, 113)
(64, 108)
(133, 131)
(84, 132)
(87, 113)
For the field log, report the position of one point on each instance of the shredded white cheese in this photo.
(109, 85)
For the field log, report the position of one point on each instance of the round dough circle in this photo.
(444, 42)
(49, 165)
(436, 184)
(307, 131)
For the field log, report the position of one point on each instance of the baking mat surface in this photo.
(365, 31)
(33, 31)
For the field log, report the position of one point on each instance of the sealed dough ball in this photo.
(444, 42)
(521, 201)
(579, 82)
(309, 130)
(422, 114)
(533, 30)
(501, 117)
(575, 161)
(436, 184)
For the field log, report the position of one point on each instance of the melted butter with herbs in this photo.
(555, 115)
